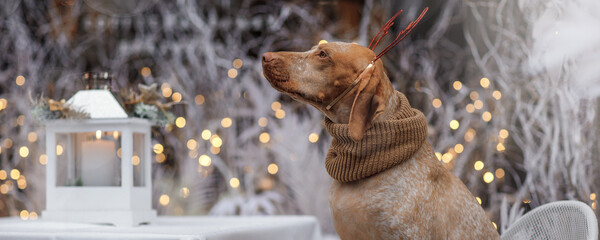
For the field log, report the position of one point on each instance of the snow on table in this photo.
(169, 228)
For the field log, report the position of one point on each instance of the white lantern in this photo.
(98, 169)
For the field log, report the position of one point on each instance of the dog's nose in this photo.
(268, 56)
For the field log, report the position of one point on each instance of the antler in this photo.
(385, 29)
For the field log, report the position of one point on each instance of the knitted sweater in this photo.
(384, 145)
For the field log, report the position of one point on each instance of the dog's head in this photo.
(322, 73)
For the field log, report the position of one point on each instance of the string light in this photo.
(226, 122)
(164, 199)
(8, 143)
(488, 177)
(322, 41)
(206, 134)
(457, 85)
(184, 192)
(15, 174)
(592, 196)
(59, 150)
(499, 173)
(439, 156)
(199, 99)
(161, 157)
(497, 94)
(237, 63)
(272, 168)
(470, 135)
(437, 103)
(264, 137)
(478, 104)
(180, 122)
(31, 137)
(3, 175)
(215, 150)
(135, 160)
(447, 157)
(145, 71)
(191, 144)
(20, 80)
(24, 214)
(500, 147)
(313, 137)
(478, 200)
(204, 160)
(275, 106)
(262, 121)
(234, 182)
(3, 188)
(115, 135)
(454, 124)
(495, 226)
(485, 83)
(474, 95)
(458, 148)
(478, 165)
(526, 201)
(22, 182)
(176, 97)
(3, 103)
(24, 151)
(279, 114)
(33, 216)
(166, 90)
(486, 116)
(266, 183)
(232, 73)
(503, 133)
(470, 108)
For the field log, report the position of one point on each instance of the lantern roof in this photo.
(99, 103)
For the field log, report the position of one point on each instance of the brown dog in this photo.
(388, 182)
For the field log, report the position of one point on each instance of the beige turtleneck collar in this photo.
(385, 144)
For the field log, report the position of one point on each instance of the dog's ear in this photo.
(368, 102)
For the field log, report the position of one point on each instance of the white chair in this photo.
(557, 220)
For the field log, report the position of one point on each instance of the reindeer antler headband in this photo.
(383, 31)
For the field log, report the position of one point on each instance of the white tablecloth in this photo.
(169, 228)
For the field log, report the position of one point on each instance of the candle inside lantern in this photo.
(98, 162)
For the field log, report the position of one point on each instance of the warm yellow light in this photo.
(594, 205)
(500, 147)
(184, 192)
(24, 214)
(503, 133)
(454, 124)
(20, 80)
(33, 216)
(32, 137)
(166, 92)
(497, 94)
(4, 189)
(470, 135)
(488, 177)
(264, 137)
(266, 183)
(485, 83)
(145, 71)
(313, 137)
(119, 152)
(161, 157)
(272, 168)
(437, 103)
(24, 151)
(176, 97)
(98, 134)
(216, 142)
(59, 150)
(8, 143)
(262, 121)
(180, 122)
(458, 148)
(470, 108)
(234, 182)
(592, 196)
(3, 103)
(15, 174)
(206, 134)
(495, 226)
(158, 148)
(3, 175)
(486, 116)
(275, 106)
(526, 201)
(457, 85)
(43, 159)
(204, 160)
(478, 165)
(439, 156)
(135, 160)
(474, 95)
(21, 120)
(279, 114)
(199, 99)
(226, 122)
(237, 63)
(215, 150)
(322, 41)
(191, 144)
(499, 173)
(232, 73)
(447, 157)
(164, 199)
(478, 200)
(22, 182)
(478, 104)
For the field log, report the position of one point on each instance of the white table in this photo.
(169, 228)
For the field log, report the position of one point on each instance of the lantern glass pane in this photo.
(139, 159)
(88, 159)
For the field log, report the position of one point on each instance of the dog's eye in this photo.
(322, 54)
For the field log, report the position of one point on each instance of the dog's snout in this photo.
(268, 56)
